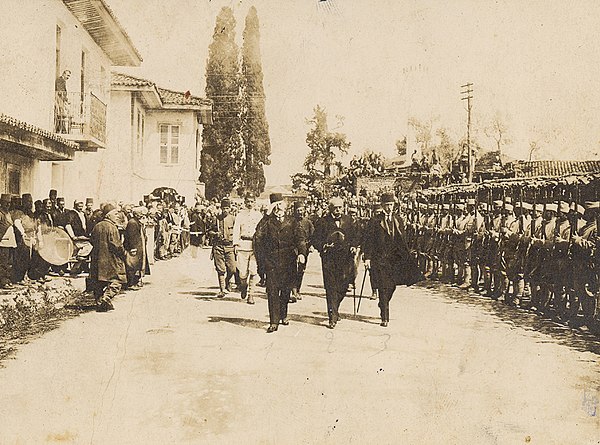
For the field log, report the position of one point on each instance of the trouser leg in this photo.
(274, 304)
(385, 295)
(284, 299)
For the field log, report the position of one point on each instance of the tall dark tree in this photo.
(324, 145)
(255, 128)
(221, 141)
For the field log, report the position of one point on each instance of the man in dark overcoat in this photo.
(107, 268)
(336, 239)
(283, 247)
(387, 255)
(135, 244)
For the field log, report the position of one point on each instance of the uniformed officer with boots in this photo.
(223, 253)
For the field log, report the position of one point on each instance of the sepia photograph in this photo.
(299, 222)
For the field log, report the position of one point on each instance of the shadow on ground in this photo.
(244, 322)
(561, 332)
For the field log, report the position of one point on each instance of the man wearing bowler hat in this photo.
(387, 255)
(284, 246)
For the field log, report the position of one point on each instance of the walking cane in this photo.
(362, 287)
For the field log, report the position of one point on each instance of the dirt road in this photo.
(174, 365)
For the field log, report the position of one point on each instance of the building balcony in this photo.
(81, 118)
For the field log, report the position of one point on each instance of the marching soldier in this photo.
(221, 232)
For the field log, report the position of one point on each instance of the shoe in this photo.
(298, 297)
(244, 293)
(384, 324)
(293, 299)
(8, 286)
(271, 328)
(373, 296)
(285, 322)
(221, 294)
(331, 325)
(250, 299)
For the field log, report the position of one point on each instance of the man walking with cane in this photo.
(387, 255)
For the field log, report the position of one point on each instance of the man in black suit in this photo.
(336, 239)
(387, 255)
(283, 246)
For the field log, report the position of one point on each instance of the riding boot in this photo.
(222, 286)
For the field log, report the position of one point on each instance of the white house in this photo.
(51, 139)
(159, 148)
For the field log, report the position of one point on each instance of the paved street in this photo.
(174, 365)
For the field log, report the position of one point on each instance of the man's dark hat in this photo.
(108, 207)
(225, 202)
(387, 197)
(61, 199)
(26, 197)
(275, 197)
(5, 198)
(89, 200)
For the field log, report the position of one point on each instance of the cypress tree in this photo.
(255, 128)
(221, 160)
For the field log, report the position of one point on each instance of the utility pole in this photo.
(466, 92)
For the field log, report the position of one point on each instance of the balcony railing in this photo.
(81, 117)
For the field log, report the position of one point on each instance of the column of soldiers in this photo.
(542, 255)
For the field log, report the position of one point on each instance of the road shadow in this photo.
(357, 317)
(244, 322)
(549, 324)
(308, 319)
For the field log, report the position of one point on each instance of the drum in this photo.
(56, 246)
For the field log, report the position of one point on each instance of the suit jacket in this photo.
(76, 224)
(280, 243)
(385, 245)
(334, 243)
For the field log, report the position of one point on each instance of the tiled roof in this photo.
(532, 169)
(168, 97)
(120, 79)
(177, 98)
(11, 121)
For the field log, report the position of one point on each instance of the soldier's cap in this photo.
(27, 197)
(460, 206)
(336, 202)
(592, 205)
(5, 198)
(527, 205)
(353, 209)
(471, 201)
(275, 197)
(508, 207)
(483, 206)
(563, 207)
(552, 207)
(507, 199)
(387, 197)
(498, 204)
(446, 206)
(225, 203)
(61, 199)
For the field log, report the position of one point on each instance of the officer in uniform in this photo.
(223, 254)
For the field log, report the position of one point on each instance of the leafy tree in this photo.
(324, 145)
(423, 132)
(255, 128)
(498, 130)
(222, 145)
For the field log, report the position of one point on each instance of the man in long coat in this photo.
(107, 268)
(283, 245)
(336, 239)
(387, 255)
(135, 244)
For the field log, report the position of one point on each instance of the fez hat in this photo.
(387, 197)
(225, 202)
(16, 201)
(552, 207)
(89, 200)
(275, 197)
(5, 198)
(27, 197)
(52, 194)
(61, 199)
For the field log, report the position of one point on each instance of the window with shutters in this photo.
(169, 144)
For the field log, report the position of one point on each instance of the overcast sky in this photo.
(379, 62)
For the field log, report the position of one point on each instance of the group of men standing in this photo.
(278, 242)
(542, 256)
